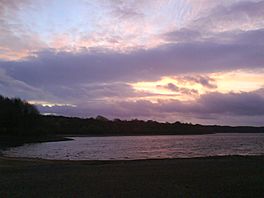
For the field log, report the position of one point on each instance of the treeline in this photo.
(103, 126)
(17, 117)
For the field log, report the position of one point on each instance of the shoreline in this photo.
(100, 161)
(33, 159)
(228, 176)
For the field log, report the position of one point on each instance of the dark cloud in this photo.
(51, 68)
(202, 80)
(87, 93)
(240, 104)
(211, 105)
(169, 86)
(249, 37)
(233, 103)
(11, 87)
(179, 90)
(172, 87)
(183, 35)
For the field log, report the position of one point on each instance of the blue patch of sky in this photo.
(170, 15)
(82, 18)
(49, 18)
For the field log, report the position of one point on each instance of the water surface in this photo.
(143, 147)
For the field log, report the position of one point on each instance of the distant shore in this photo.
(231, 176)
(13, 141)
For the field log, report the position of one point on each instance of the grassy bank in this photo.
(201, 177)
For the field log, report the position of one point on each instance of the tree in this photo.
(17, 116)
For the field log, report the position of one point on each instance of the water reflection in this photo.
(144, 147)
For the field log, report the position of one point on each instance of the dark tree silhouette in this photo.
(17, 116)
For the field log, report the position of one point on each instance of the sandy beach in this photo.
(231, 176)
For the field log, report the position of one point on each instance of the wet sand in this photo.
(231, 176)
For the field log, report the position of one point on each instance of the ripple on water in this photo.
(143, 147)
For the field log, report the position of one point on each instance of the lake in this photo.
(143, 147)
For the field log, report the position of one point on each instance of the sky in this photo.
(199, 61)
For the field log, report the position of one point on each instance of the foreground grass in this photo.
(201, 177)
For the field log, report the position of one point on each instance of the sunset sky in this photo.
(199, 61)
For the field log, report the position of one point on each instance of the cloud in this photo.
(172, 87)
(240, 15)
(14, 88)
(233, 103)
(205, 81)
(124, 10)
(215, 106)
(17, 40)
(123, 25)
(99, 65)
(182, 35)
(93, 65)
(179, 90)
(169, 86)
(239, 104)
(220, 21)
